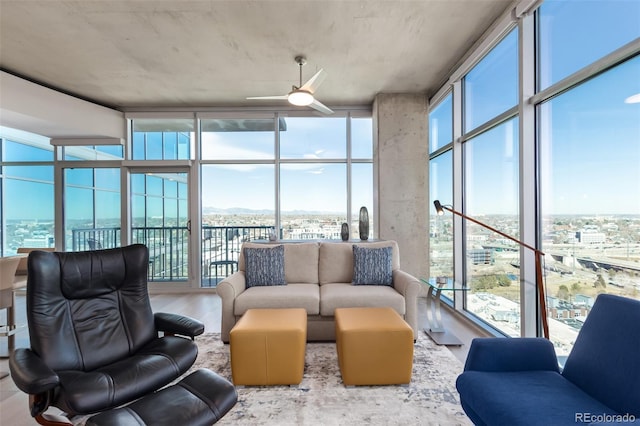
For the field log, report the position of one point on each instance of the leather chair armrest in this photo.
(30, 373)
(511, 354)
(178, 324)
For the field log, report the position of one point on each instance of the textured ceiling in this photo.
(189, 53)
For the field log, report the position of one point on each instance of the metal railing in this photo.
(168, 248)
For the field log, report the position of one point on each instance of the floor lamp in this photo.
(539, 256)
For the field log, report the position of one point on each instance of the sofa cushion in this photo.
(525, 398)
(306, 296)
(346, 295)
(336, 260)
(264, 266)
(300, 261)
(372, 266)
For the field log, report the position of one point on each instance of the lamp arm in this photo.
(539, 254)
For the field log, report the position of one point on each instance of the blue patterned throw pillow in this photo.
(372, 266)
(264, 266)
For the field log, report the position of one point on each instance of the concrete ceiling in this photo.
(204, 53)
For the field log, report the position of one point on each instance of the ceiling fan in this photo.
(303, 95)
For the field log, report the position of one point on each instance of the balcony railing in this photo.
(168, 248)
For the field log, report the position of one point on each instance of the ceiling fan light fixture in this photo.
(300, 98)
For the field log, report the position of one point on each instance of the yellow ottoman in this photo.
(375, 346)
(267, 347)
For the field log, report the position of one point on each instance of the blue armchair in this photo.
(518, 381)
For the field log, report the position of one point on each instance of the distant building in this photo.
(582, 299)
(44, 242)
(503, 315)
(480, 256)
(590, 237)
(552, 302)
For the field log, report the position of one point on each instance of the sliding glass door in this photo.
(160, 220)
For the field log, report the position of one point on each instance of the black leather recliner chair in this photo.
(94, 338)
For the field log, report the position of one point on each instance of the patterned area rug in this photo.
(322, 399)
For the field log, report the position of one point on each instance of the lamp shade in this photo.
(439, 209)
(300, 98)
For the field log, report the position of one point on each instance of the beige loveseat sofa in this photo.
(318, 278)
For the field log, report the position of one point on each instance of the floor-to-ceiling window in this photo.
(441, 188)
(490, 176)
(298, 177)
(546, 148)
(160, 220)
(159, 178)
(491, 196)
(313, 177)
(237, 188)
(589, 142)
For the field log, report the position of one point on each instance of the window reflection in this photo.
(162, 139)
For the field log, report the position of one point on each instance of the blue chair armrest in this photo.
(511, 354)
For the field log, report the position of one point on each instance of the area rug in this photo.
(322, 399)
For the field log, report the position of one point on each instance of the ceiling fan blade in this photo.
(319, 106)
(284, 97)
(312, 84)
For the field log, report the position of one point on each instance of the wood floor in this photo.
(203, 306)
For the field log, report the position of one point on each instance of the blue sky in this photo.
(589, 136)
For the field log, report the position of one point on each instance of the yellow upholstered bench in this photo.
(375, 346)
(268, 346)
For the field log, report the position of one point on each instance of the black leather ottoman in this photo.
(201, 398)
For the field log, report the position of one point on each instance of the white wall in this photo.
(33, 108)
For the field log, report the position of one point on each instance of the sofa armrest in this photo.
(405, 283)
(511, 354)
(30, 374)
(409, 287)
(228, 289)
(178, 324)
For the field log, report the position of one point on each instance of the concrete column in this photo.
(401, 177)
